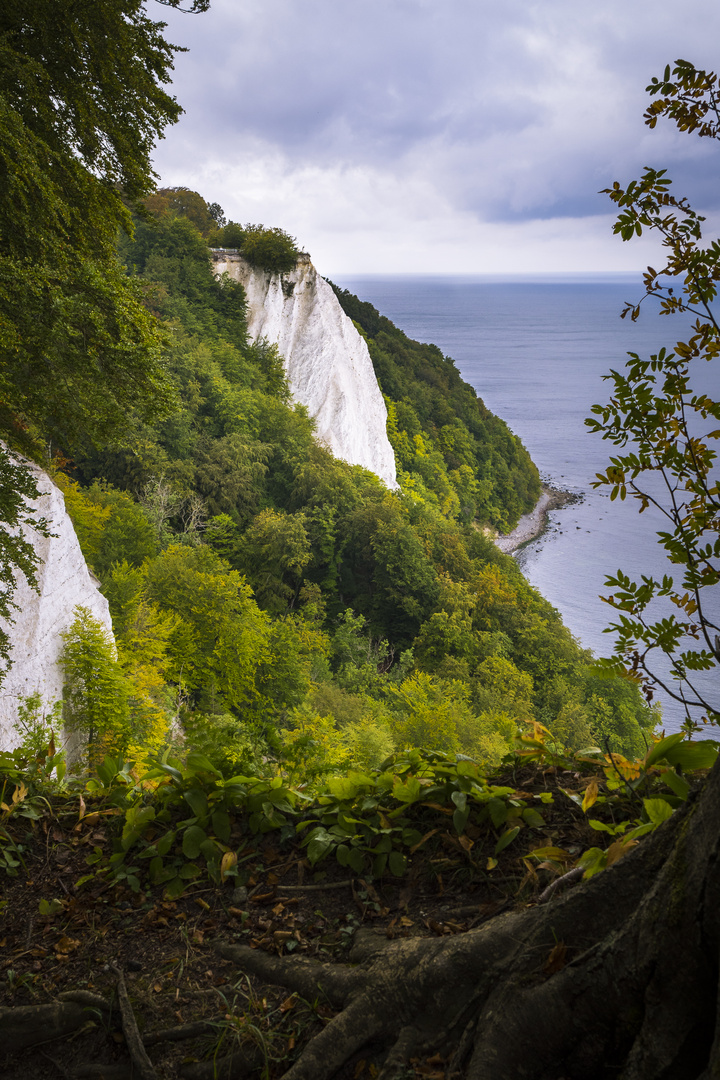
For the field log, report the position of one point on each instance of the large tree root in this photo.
(617, 978)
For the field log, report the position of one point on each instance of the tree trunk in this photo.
(616, 979)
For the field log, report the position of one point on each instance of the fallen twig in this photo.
(562, 882)
(323, 887)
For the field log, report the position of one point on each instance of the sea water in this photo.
(536, 352)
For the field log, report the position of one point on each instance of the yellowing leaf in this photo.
(618, 849)
(420, 843)
(227, 863)
(591, 794)
(629, 770)
(556, 959)
(555, 853)
(538, 729)
(66, 944)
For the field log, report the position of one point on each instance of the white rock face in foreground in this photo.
(327, 361)
(64, 582)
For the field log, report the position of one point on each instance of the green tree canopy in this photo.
(78, 122)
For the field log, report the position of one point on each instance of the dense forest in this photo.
(272, 604)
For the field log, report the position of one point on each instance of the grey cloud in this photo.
(512, 111)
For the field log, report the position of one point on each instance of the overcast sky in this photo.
(435, 136)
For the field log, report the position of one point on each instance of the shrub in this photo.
(95, 691)
(270, 249)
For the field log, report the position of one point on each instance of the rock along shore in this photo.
(531, 525)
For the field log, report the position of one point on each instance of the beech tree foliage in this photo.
(78, 121)
(666, 429)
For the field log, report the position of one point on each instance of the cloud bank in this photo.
(410, 136)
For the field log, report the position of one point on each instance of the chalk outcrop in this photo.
(64, 582)
(327, 361)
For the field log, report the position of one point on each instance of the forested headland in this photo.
(334, 722)
(274, 604)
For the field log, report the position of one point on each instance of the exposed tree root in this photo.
(30, 1025)
(141, 1062)
(616, 978)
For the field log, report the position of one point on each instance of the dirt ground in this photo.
(81, 936)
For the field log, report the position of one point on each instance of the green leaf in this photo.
(661, 748)
(52, 907)
(193, 839)
(657, 810)
(460, 818)
(154, 869)
(532, 818)
(221, 825)
(319, 843)
(600, 826)
(693, 755)
(348, 787)
(165, 843)
(460, 799)
(592, 861)
(506, 838)
(397, 863)
(175, 888)
(210, 850)
(384, 844)
(198, 763)
(137, 818)
(498, 812)
(676, 783)
(189, 872)
(356, 860)
(408, 792)
(197, 801)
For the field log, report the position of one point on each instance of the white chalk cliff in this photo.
(64, 581)
(327, 361)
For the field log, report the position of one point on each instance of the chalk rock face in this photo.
(327, 361)
(64, 581)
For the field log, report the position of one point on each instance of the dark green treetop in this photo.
(82, 102)
(81, 106)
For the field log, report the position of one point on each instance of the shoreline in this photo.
(531, 525)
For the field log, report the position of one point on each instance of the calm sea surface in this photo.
(535, 351)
